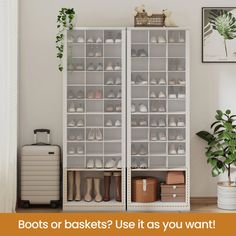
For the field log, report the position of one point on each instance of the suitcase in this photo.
(40, 173)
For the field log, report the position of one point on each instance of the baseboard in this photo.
(203, 200)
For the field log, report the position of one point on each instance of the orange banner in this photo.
(117, 224)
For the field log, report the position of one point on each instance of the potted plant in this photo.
(221, 155)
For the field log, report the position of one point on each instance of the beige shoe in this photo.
(89, 186)
(77, 186)
(97, 192)
(70, 181)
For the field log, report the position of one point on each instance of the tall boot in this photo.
(117, 176)
(97, 192)
(88, 194)
(70, 185)
(77, 186)
(107, 184)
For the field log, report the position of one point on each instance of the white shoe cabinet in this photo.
(95, 112)
(157, 110)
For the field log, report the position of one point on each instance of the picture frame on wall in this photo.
(219, 34)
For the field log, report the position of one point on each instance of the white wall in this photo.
(212, 85)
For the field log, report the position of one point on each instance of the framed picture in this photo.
(218, 34)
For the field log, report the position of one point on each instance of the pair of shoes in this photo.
(74, 183)
(111, 94)
(174, 137)
(141, 108)
(175, 96)
(138, 151)
(111, 81)
(159, 39)
(97, 164)
(79, 137)
(111, 67)
(73, 123)
(79, 94)
(78, 67)
(160, 95)
(113, 163)
(116, 124)
(94, 134)
(138, 80)
(92, 40)
(96, 53)
(93, 185)
(141, 123)
(72, 39)
(157, 108)
(174, 123)
(94, 94)
(157, 136)
(160, 123)
(139, 164)
(111, 39)
(160, 81)
(79, 150)
(92, 67)
(113, 108)
(139, 53)
(179, 151)
(75, 108)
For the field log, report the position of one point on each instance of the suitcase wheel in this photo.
(25, 204)
(54, 204)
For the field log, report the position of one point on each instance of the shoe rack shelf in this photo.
(94, 156)
(157, 110)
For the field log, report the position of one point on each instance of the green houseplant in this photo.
(64, 22)
(221, 154)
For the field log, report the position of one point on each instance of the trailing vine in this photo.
(64, 22)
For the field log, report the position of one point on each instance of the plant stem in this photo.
(226, 51)
(229, 175)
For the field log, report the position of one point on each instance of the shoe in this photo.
(161, 95)
(181, 82)
(180, 150)
(181, 95)
(109, 40)
(139, 80)
(109, 108)
(90, 164)
(79, 67)
(133, 53)
(171, 40)
(99, 67)
(180, 68)
(143, 165)
(80, 39)
(153, 95)
(108, 123)
(80, 150)
(143, 123)
(71, 137)
(71, 151)
(79, 108)
(154, 108)
(80, 137)
(161, 39)
(119, 164)
(110, 164)
(80, 123)
(71, 123)
(70, 94)
(117, 67)
(172, 82)
(142, 150)
(153, 39)
(111, 94)
(91, 135)
(109, 67)
(162, 136)
(172, 137)
(134, 122)
(118, 108)
(142, 108)
(98, 54)
(98, 94)
(133, 108)
(142, 53)
(98, 135)
(153, 123)
(118, 81)
(70, 39)
(134, 164)
(98, 164)
(133, 150)
(80, 94)
(161, 109)
(179, 137)
(172, 150)
(172, 96)
(90, 94)
(162, 81)
(172, 122)
(90, 40)
(117, 123)
(70, 67)
(110, 82)
(99, 40)
(161, 123)
(118, 38)
(71, 107)
(153, 136)
(90, 67)
(118, 94)
(153, 81)
(180, 122)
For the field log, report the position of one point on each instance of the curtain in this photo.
(8, 103)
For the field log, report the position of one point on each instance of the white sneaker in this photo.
(134, 164)
(90, 67)
(80, 137)
(162, 81)
(118, 108)
(153, 123)
(153, 39)
(70, 39)
(161, 123)
(91, 135)
(118, 40)
(119, 164)
(133, 108)
(179, 137)
(142, 150)
(80, 39)
(71, 107)
(154, 108)
(98, 164)
(180, 150)
(161, 109)
(71, 123)
(133, 150)
(109, 123)
(80, 94)
(153, 136)
(118, 81)
(99, 67)
(109, 40)
(172, 82)
(98, 135)
(133, 53)
(162, 136)
(99, 40)
(109, 108)
(142, 108)
(79, 67)
(90, 40)
(71, 151)
(80, 123)
(110, 164)
(153, 95)
(70, 94)
(79, 108)
(172, 137)
(172, 96)
(110, 82)
(143, 165)
(172, 122)
(153, 81)
(161, 39)
(134, 122)
(143, 123)
(181, 82)
(181, 95)
(172, 150)
(98, 54)
(180, 122)
(70, 67)
(80, 150)
(118, 94)
(71, 137)
(117, 67)
(117, 123)
(90, 164)
(161, 95)
(109, 67)
(111, 94)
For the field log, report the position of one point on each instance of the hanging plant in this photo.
(64, 22)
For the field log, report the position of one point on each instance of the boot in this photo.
(117, 176)
(107, 183)
(88, 194)
(77, 186)
(70, 184)
(98, 196)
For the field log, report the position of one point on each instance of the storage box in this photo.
(144, 189)
(172, 193)
(175, 177)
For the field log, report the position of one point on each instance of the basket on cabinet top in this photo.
(155, 20)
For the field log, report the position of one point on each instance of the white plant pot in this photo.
(226, 195)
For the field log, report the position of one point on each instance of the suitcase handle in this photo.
(47, 131)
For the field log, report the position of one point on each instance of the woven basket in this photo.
(155, 20)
